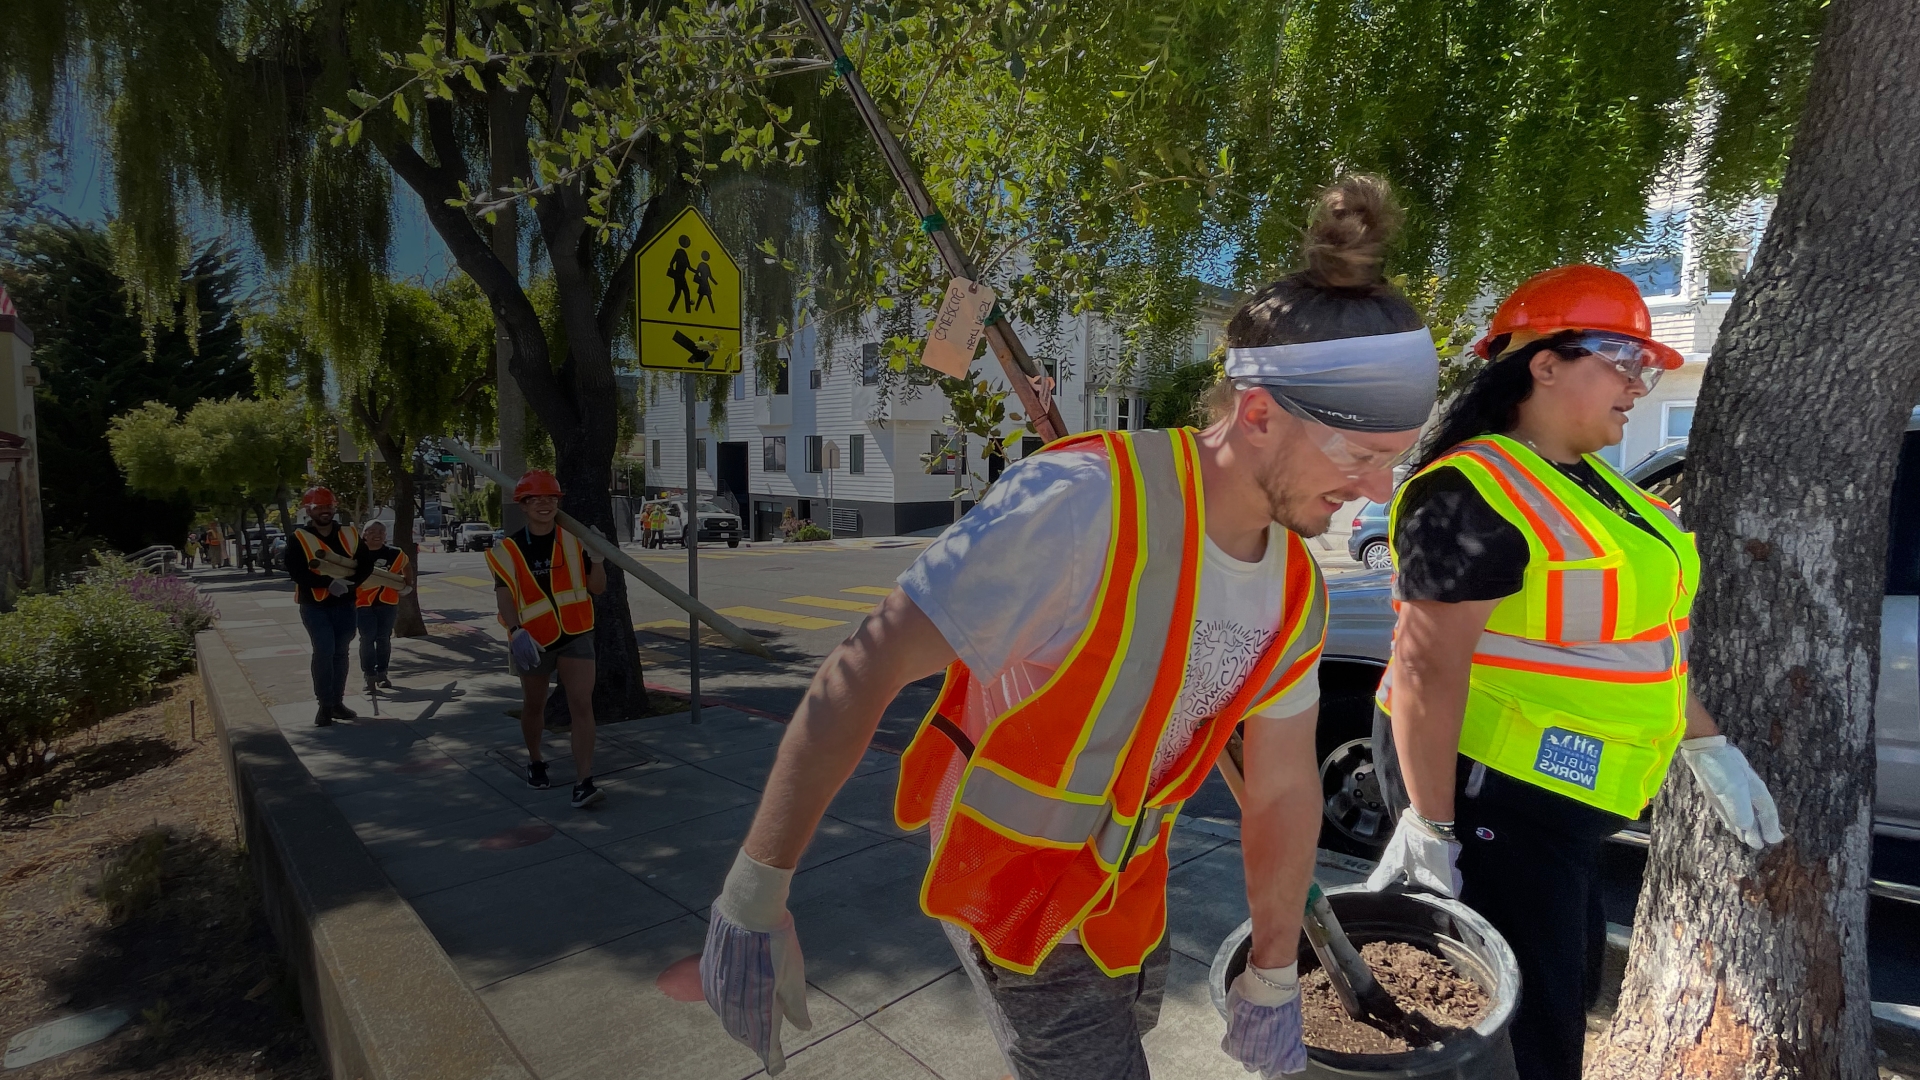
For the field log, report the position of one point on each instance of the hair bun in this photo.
(1354, 219)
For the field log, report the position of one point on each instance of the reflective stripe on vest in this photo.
(1054, 826)
(312, 544)
(568, 609)
(369, 595)
(1579, 681)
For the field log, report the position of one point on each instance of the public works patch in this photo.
(1570, 756)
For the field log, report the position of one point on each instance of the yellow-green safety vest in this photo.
(1579, 682)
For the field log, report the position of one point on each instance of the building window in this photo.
(700, 454)
(870, 364)
(1676, 420)
(1124, 404)
(949, 455)
(773, 453)
(857, 454)
(1100, 422)
(1030, 445)
(656, 453)
(780, 385)
(814, 452)
(740, 387)
(813, 379)
(759, 388)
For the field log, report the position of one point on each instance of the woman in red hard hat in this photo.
(544, 583)
(1538, 687)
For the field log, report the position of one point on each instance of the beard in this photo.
(1307, 515)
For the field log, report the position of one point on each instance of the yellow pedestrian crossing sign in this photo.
(686, 299)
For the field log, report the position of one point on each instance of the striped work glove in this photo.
(751, 970)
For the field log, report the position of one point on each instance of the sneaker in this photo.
(386, 683)
(585, 794)
(537, 775)
(341, 712)
(323, 718)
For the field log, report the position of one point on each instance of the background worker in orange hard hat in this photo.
(1538, 687)
(544, 582)
(326, 600)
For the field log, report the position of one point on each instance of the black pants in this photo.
(1530, 863)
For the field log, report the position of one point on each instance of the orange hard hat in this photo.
(1577, 297)
(536, 482)
(317, 497)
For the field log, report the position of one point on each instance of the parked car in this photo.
(716, 521)
(1360, 634)
(475, 536)
(1368, 545)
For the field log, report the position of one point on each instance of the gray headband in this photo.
(1381, 382)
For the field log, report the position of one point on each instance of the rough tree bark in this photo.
(1752, 965)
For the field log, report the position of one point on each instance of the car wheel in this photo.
(1355, 816)
(1377, 555)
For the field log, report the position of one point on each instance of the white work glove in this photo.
(751, 970)
(525, 651)
(1263, 1021)
(338, 587)
(1737, 793)
(1417, 858)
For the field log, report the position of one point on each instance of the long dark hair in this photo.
(1488, 404)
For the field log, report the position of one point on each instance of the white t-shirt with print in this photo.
(1011, 586)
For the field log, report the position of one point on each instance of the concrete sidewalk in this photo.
(564, 921)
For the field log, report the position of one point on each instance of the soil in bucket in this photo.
(1421, 982)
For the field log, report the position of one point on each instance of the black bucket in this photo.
(1448, 927)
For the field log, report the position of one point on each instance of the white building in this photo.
(1688, 279)
(770, 453)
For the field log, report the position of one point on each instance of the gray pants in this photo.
(1069, 1020)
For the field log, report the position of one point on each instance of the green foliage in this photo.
(227, 453)
(72, 658)
(131, 882)
(482, 504)
(95, 363)
(808, 531)
(1174, 394)
(979, 411)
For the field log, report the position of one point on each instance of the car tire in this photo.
(1376, 555)
(1355, 816)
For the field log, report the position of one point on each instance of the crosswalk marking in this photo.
(869, 590)
(780, 618)
(462, 579)
(829, 602)
(677, 629)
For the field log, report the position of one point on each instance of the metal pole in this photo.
(1021, 369)
(690, 525)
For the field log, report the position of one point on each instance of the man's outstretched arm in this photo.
(895, 646)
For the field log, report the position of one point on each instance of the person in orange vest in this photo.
(326, 602)
(1538, 688)
(377, 606)
(1106, 616)
(544, 583)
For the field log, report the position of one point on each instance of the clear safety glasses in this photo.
(1630, 356)
(1355, 459)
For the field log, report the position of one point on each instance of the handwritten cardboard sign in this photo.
(956, 331)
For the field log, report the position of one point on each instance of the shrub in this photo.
(37, 688)
(117, 647)
(810, 531)
(176, 598)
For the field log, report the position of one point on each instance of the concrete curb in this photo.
(381, 997)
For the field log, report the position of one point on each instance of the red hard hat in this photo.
(536, 482)
(317, 497)
(1577, 298)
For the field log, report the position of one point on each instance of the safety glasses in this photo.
(1630, 356)
(1355, 459)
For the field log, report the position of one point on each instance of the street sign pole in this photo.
(691, 537)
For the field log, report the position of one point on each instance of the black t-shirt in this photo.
(539, 553)
(1453, 547)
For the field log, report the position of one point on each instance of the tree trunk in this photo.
(1755, 965)
(407, 621)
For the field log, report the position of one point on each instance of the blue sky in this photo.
(85, 193)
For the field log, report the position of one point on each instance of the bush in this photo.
(810, 531)
(75, 657)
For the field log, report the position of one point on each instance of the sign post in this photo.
(686, 306)
(831, 453)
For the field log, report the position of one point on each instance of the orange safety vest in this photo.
(370, 595)
(313, 544)
(568, 609)
(1054, 827)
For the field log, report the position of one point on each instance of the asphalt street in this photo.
(803, 599)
